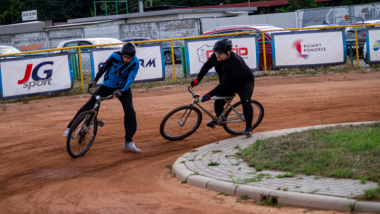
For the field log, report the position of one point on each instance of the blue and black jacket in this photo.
(117, 73)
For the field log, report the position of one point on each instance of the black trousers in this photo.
(245, 92)
(130, 124)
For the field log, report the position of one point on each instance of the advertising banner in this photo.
(152, 67)
(373, 45)
(308, 48)
(40, 75)
(198, 51)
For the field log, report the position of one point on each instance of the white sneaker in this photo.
(66, 133)
(131, 147)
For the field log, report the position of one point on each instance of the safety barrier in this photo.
(82, 66)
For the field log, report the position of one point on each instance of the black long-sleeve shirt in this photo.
(232, 73)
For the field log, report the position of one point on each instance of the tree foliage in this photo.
(10, 10)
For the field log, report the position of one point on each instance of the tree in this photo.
(301, 4)
(10, 11)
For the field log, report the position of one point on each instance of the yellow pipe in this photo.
(357, 48)
(80, 67)
(265, 57)
(173, 62)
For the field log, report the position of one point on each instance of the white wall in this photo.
(285, 20)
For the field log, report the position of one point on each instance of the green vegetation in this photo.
(370, 194)
(340, 151)
(212, 163)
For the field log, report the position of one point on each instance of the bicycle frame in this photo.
(218, 120)
(95, 109)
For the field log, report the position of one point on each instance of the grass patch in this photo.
(340, 152)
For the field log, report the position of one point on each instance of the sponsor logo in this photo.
(150, 63)
(205, 51)
(376, 45)
(304, 49)
(297, 45)
(37, 80)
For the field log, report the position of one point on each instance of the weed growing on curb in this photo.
(216, 151)
(298, 186)
(194, 150)
(212, 163)
(318, 177)
(314, 191)
(285, 188)
(286, 175)
(268, 201)
(183, 182)
(196, 172)
(352, 207)
(169, 166)
(370, 194)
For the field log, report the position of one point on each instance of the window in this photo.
(82, 43)
(226, 31)
(70, 44)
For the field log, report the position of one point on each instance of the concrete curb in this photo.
(283, 197)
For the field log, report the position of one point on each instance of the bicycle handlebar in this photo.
(100, 98)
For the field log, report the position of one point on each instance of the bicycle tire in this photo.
(80, 120)
(164, 123)
(255, 122)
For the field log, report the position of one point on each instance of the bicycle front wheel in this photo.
(180, 123)
(235, 121)
(82, 134)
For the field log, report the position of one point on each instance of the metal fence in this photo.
(342, 15)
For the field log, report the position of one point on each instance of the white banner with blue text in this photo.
(308, 48)
(33, 76)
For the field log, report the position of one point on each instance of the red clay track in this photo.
(38, 176)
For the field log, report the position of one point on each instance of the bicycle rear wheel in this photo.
(82, 134)
(180, 123)
(236, 122)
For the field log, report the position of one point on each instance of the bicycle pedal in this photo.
(100, 123)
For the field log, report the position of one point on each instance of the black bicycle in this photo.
(185, 120)
(83, 130)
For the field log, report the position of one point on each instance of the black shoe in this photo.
(247, 131)
(211, 124)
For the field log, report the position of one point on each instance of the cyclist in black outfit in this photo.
(234, 77)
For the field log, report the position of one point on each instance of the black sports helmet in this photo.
(128, 50)
(223, 45)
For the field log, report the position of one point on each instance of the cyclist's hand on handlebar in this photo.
(117, 92)
(92, 84)
(195, 82)
(206, 97)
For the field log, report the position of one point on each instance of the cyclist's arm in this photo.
(207, 66)
(132, 75)
(105, 67)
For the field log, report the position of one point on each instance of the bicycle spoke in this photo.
(180, 122)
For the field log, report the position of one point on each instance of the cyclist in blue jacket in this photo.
(119, 72)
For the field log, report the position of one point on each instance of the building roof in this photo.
(253, 4)
(162, 12)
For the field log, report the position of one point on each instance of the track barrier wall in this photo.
(287, 49)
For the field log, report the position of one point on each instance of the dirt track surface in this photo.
(38, 176)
